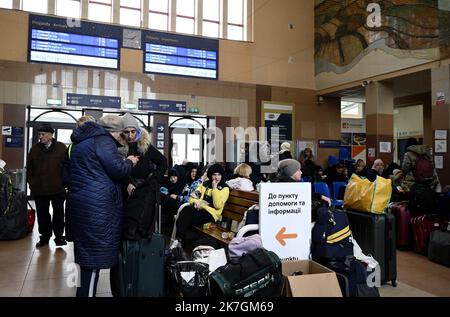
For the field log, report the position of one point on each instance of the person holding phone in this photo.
(145, 177)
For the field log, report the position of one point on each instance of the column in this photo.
(440, 120)
(379, 113)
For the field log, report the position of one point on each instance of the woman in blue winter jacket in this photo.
(95, 198)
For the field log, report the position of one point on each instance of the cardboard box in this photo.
(316, 280)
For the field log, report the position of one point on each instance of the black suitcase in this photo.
(439, 247)
(375, 233)
(140, 268)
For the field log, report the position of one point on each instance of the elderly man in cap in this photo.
(44, 175)
(97, 171)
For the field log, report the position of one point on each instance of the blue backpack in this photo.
(331, 235)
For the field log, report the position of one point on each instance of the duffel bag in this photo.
(254, 274)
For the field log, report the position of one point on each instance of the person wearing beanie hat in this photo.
(205, 206)
(290, 168)
(145, 177)
(97, 171)
(285, 152)
(289, 171)
(44, 175)
(113, 124)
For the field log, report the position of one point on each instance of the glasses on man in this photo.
(129, 131)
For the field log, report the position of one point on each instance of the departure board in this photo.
(174, 54)
(54, 40)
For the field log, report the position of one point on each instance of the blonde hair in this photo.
(243, 170)
(84, 119)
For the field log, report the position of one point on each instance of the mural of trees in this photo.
(342, 33)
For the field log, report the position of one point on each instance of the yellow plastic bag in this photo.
(364, 195)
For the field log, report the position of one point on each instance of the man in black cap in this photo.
(44, 175)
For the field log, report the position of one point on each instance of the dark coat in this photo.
(372, 174)
(95, 199)
(44, 169)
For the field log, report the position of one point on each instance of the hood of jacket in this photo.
(88, 130)
(143, 144)
(420, 149)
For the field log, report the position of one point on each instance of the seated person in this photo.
(337, 175)
(361, 169)
(171, 187)
(376, 170)
(242, 180)
(206, 205)
(193, 179)
(289, 171)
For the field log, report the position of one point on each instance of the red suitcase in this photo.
(422, 227)
(403, 222)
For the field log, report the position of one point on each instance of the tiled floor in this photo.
(27, 271)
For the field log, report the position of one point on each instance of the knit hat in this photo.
(129, 121)
(111, 123)
(288, 167)
(45, 128)
(285, 147)
(173, 172)
(215, 168)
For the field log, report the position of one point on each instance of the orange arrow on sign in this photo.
(281, 236)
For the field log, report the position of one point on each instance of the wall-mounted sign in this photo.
(160, 133)
(353, 125)
(162, 105)
(79, 100)
(440, 134)
(13, 141)
(6, 130)
(440, 146)
(280, 117)
(17, 131)
(385, 147)
(440, 98)
(331, 144)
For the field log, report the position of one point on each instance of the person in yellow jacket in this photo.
(205, 206)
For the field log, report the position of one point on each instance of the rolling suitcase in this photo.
(403, 224)
(439, 247)
(140, 269)
(422, 228)
(375, 233)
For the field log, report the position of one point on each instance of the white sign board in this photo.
(6, 130)
(353, 125)
(285, 219)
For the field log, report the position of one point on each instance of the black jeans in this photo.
(89, 281)
(45, 222)
(190, 216)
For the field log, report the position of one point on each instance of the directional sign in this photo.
(162, 105)
(285, 218)
(160, 129)
(80, 100)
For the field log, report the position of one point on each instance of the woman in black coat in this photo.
(96, 171)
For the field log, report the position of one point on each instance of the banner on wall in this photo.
(353, 137)
(279, 115)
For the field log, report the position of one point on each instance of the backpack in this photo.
(352, 277)
(423, 169)
(331, 235)
(255, 274)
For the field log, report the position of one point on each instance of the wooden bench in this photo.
(238, 202)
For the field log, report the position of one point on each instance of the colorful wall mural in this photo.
(348, 30)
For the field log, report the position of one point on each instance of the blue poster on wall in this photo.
(281, 121)
(13, 142)
(17, 131)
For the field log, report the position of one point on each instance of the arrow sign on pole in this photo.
(161, 128)
(281, 236)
